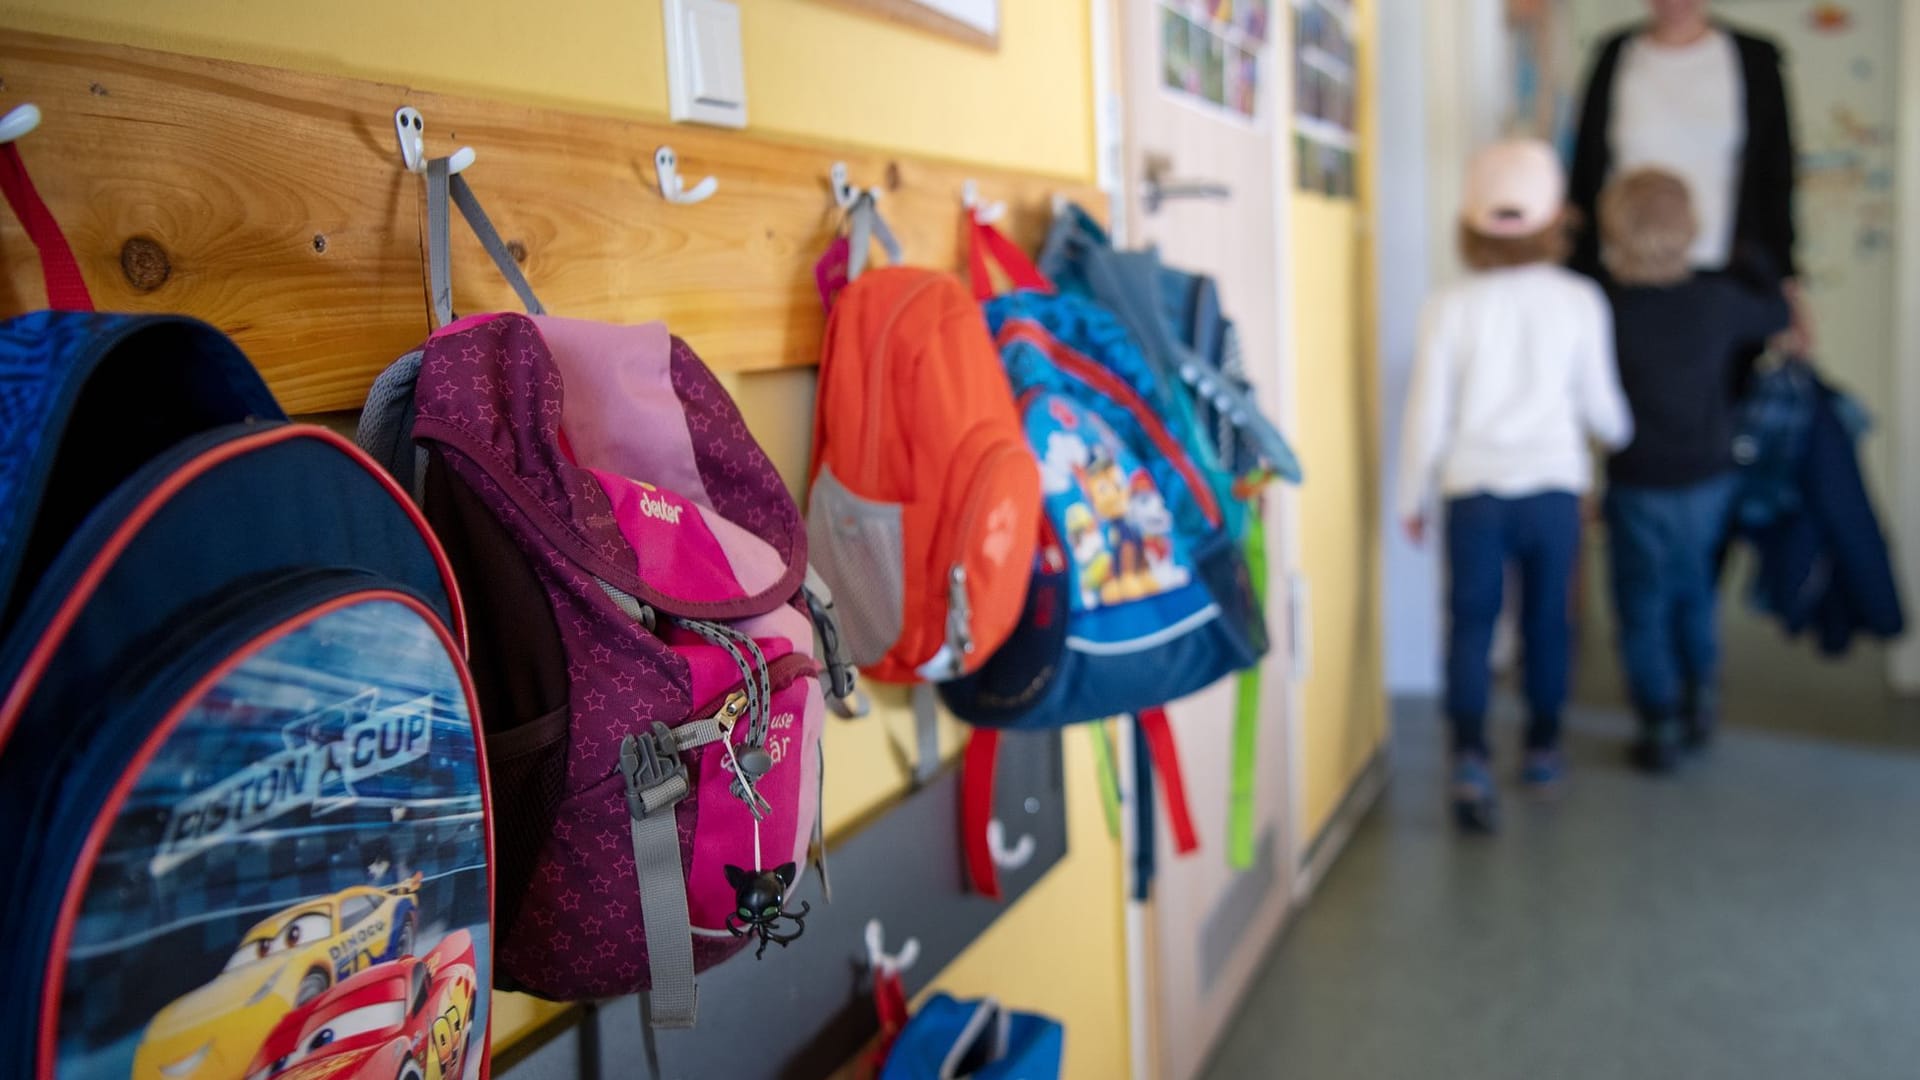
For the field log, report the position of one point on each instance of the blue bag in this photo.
(1140, 594)
(947, 1039)
(238, 762)
(1174, 317)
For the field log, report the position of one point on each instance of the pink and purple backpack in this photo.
(643, 650)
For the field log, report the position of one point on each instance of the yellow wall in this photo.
(815, 71)
(1337, 431)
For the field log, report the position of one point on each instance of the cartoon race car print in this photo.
(408, 1019)
(285, 960)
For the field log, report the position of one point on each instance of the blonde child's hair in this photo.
(1647, 228)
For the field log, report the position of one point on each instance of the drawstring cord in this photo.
(757, 681)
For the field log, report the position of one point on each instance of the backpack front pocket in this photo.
(858, 544)
(984, 554)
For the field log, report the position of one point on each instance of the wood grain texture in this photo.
(272, 204)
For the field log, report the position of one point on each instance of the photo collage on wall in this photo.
(1210, 51)
(1324, 88)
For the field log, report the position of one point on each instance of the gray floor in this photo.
(1771, 682)
(1756, 917)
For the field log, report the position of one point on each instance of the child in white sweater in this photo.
(1516, 372)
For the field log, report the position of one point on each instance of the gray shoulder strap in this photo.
(439, 255)
(497, 250)
(440, 185)
(656, 781)
(866, 226)
(926, 732)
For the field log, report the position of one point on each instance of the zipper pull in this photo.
(730, 710)
(747, 765)
(959, 625)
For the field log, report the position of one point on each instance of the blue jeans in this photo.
(1663, 544)
(1540, 534)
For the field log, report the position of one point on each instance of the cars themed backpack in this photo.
(240, 787)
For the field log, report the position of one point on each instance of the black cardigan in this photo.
(1763, 220)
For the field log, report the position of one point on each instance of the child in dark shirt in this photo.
(1679, 337)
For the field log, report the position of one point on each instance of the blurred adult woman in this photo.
(1686, 93)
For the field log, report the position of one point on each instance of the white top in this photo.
(1515, 371)
(1684, 109)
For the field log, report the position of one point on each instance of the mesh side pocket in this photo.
(527, 775)
(856, 544)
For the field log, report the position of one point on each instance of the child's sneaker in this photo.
(1543, 772)
(1699, 719)
(1697, 732)
(1658, 748)
(1476, 808)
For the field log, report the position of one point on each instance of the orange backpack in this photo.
(925, 504)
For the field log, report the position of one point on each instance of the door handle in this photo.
(1161, 187)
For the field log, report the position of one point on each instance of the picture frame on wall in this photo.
(975, 22)
(1212, 54)
(1325, 91)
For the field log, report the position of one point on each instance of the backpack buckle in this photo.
(656, 777)
(842, 684)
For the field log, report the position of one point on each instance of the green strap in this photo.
(1103, 766)
(1246, 717)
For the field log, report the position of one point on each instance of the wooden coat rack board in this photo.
(273, 205)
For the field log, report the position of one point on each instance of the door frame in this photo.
(1903, 657)
(1114, 143)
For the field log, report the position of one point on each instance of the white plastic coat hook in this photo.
(410, 128)
(1004, 857)
(983, 212)
(844, 193)
(666, 168)
(21, 121)
(879, 961)
(1060, 204)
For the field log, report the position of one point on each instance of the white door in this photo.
(1189, 85)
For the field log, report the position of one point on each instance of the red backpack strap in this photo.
(1173, 787)
(976, 810)
(984, 243)
(890, 1008)
(66, 289)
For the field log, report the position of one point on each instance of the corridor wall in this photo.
(1345, 717)
(813, 71)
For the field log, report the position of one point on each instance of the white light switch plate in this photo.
(706, 78)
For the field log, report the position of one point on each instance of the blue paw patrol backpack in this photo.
(1140, 593)
(240, 797)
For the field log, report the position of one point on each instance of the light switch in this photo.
(705, 80)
